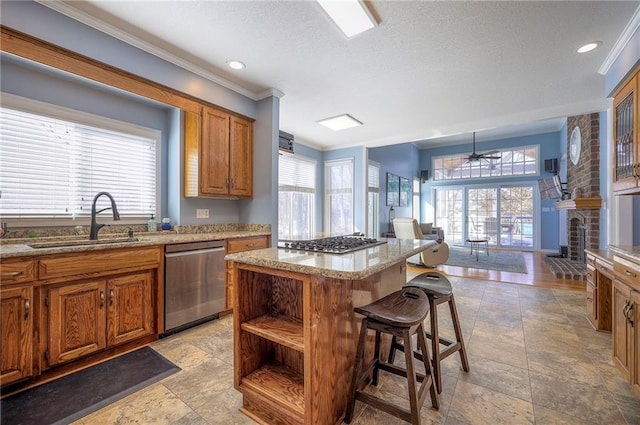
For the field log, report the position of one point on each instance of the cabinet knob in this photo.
(111, 297)
(101, 299)
(27, 309)
(628, 273)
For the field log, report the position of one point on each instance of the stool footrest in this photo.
(384, 405)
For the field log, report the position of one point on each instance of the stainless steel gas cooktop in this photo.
(331, 245)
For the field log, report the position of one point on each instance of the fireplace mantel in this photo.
(580, 204)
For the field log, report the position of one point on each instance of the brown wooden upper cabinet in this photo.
(218, 154)
(626, 151)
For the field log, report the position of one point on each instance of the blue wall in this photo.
(401, 160)
(550, 144)
(56, 87)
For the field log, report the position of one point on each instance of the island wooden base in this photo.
(295, 338)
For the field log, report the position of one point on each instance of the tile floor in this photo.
(534, 360)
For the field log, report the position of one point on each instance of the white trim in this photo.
(84, 18)
(621, 43)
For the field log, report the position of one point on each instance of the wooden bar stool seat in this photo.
(399, 314)
(438, 290)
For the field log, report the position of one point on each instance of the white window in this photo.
(296, 197)
(373, 200)
(416, 199)
(338, 203)
(53, 161)
(513, 162)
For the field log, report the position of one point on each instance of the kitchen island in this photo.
(295, 332)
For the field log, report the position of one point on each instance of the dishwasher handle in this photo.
(193, 246)
(195, 252)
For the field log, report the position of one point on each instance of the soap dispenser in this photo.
(151, 224)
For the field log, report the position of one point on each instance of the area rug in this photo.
(71, 397)
(496, 260)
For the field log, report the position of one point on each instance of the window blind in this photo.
(52, 167)
(296, 174)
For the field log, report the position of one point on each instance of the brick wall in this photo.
(585, 175)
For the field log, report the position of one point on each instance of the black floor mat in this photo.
(71, 397)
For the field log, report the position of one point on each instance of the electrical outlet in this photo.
(202, 213)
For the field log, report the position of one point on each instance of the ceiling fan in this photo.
(478, 156)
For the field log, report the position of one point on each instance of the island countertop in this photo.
(351, 266)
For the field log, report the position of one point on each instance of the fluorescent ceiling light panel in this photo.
(351, 16)
(341, 122)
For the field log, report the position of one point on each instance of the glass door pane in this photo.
(450, 214)
(516, 217)
(482, 208)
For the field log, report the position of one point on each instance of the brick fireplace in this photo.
(583, 179)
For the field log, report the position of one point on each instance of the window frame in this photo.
(328, 194)
(313, 193)
(461, 158)
(37, 107)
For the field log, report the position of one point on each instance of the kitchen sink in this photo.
(80, 242)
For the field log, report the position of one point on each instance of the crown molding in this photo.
(84, 18)
(621, 43)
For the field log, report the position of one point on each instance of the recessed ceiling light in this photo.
(235, 64)
(589, 46)
(340, 122)
(351, 16)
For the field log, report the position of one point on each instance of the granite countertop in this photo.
(603, 254)
(353, 265)
(629, 251)
(20, 248)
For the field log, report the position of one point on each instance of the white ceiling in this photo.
(429, 70)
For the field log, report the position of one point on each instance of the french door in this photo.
(504, 215)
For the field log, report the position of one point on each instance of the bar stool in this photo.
(399, 314)
(438, 290)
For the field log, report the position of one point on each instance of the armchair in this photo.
(430, 231)
(408, 228)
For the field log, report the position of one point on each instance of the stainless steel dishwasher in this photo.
(195, 279)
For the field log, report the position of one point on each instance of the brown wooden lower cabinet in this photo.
(65, 311)
(626, 319)
(87, 317)
(240, 245)
(598, 288)
(622, 334)
(16, 322)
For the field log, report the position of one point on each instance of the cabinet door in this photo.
(130, 311)
(625, 153)
(592, 311)
(621, 329)
(77, 320)
(634, 315)
(16, 322)
(214, 153)
(241, 157)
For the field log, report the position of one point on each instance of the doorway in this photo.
(502, 214)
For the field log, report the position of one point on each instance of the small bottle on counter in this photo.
(166, 224)
(151, 224)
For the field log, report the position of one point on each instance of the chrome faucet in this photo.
(95, 227)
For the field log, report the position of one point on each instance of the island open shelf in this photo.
(295, 338)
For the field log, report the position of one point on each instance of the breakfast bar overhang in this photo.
(295, 331)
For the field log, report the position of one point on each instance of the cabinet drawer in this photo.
(247, 244)
(591, 274)
(591, 260)
(17, 271)
(97, 262)
(627, 271)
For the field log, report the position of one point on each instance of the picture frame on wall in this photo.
(405, 192)
(393, 190)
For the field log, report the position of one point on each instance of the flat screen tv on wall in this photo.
(550, 188)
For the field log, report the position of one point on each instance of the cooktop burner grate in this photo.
(332, 245)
